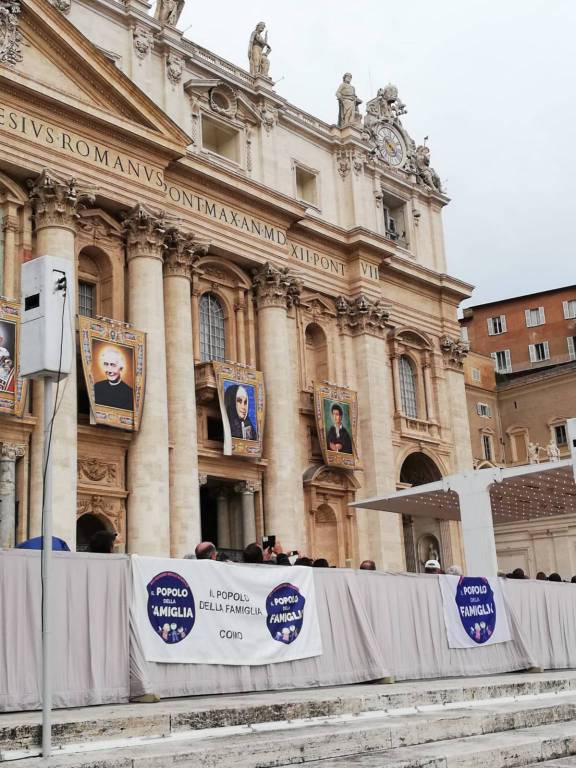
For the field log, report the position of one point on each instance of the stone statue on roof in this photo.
(426, 174)
(348, 103)
(258, 50)
(169, 11)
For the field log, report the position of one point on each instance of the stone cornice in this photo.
(276, 287)
(451, 287)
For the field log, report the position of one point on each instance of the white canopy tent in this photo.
(480, 498)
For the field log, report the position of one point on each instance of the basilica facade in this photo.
(201, 208)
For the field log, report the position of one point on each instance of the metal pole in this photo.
(46, 574)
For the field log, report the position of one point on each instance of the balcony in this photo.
(205, 381)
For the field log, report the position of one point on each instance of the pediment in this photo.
(317, 304)
(56, 64)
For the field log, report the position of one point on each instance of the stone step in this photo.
(537, 747)
(20, 731)
(487, 734)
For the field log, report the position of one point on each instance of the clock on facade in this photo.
(391, 145)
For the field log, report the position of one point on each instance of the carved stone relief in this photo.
(276, 287)
(10, 37)
(143, 40)
(224, 100)
(174, 68)
(97, 471)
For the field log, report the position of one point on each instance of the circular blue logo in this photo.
(285, 613)
(476, 607)
(171, 608)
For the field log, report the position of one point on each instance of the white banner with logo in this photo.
(474, 611)
(206, 612)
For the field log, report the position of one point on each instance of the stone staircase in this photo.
(508, 720)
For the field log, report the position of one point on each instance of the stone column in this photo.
(277, 290)
(223, 514)
(409, 543)
(8, 455)
(56, 201)
(148, 516)
(364, 320)
(185, 525)
(247, 491)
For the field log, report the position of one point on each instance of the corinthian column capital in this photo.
(181, 252)
(57, 200)
(276, 287)
(145, 231)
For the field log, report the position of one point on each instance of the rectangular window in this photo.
(569, 309)
(560, 435)
(487, 447)
(535, 317)
(86, 299)
(483, 409)
(306, 186)
(539, 352)
(476, 376)
(502, 361)
(571, 341)
(464, 334)
(220, 139)
(496, 325)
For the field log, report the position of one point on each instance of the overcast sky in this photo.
(491, 82)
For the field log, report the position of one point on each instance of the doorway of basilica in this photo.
(228, 514)
(423, 536)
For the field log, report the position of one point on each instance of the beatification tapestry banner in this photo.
(474, 611)
(242, 404)
(336, 410)
(12, 387)
(206, 612)
(114, 363)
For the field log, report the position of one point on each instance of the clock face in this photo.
(391, 145)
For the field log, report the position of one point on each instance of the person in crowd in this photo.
(206, 551)
(454, 570)
(303, 560)
(102, 542)
(573, 580)
(541, 576)
(367, 565)
(432, 566)
(517, 573)
(282, 559)
(320, 562)
(252, 554)
(554, 577)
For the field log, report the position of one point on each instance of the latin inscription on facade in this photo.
(317, 260)
(78, 147)
(212, 209)
(369, 271)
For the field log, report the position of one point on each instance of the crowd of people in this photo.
(518, 573)
(103, 542)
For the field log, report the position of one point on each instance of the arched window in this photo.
(212, 330)
(408, 388)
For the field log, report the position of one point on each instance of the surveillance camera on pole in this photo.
(46, 349)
